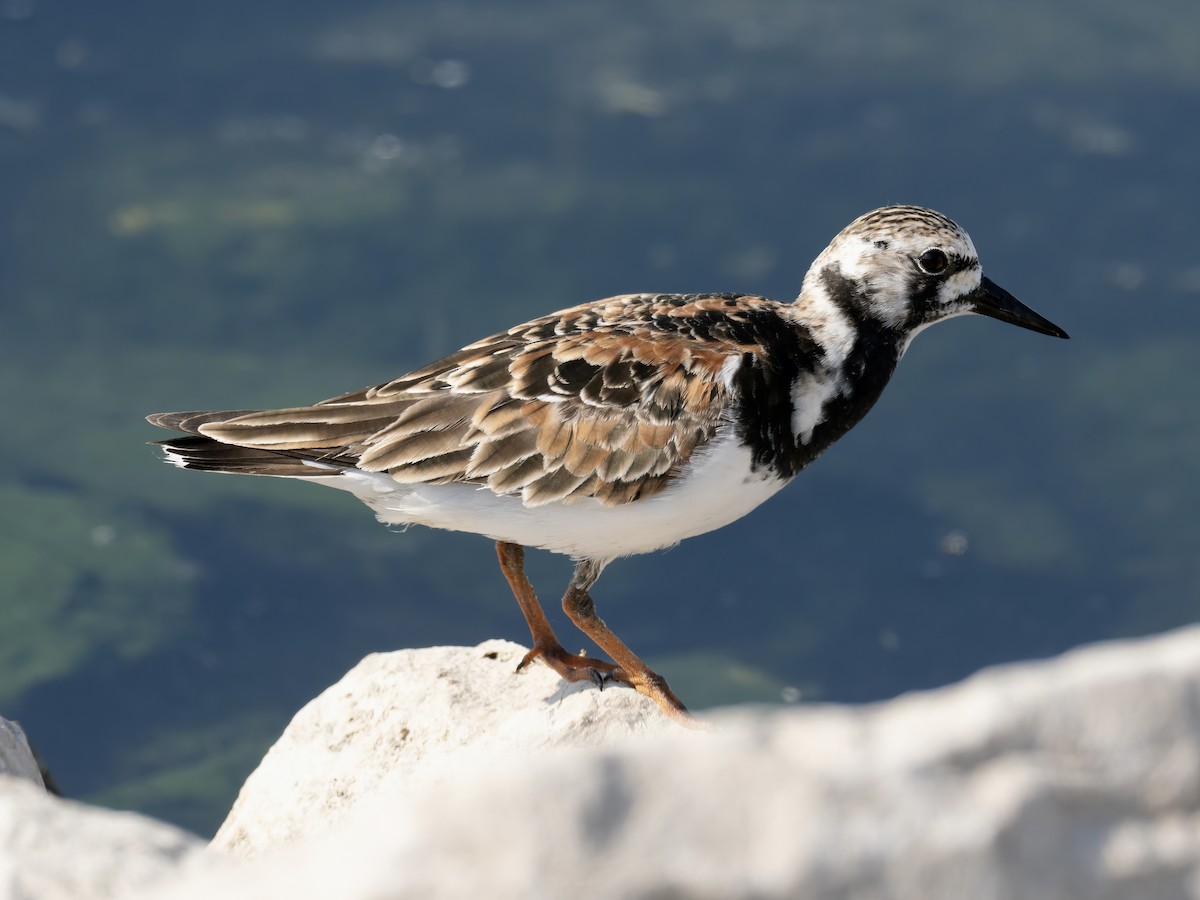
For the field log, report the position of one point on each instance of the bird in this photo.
(624, 425)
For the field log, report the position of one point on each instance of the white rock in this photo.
(1073, 778)
(16, 759)
(438, 773)
(52, 849)
(417, 716)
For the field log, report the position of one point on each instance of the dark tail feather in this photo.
(207, 455)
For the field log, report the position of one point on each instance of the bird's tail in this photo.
(193, 450)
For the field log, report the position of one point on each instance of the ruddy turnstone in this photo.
(624, 425)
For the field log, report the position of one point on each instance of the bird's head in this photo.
(906, 267)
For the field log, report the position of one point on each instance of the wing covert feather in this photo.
(606, 400)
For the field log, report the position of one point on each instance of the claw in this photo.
(573, 667)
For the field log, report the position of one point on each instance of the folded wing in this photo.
(607, 400)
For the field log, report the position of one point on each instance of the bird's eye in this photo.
(933, 262)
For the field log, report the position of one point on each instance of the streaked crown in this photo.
(904, 266)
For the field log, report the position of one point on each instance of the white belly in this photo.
(717, 489)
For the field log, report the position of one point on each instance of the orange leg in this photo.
(570, 666)
(578, 605)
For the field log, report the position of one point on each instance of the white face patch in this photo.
(958, 285)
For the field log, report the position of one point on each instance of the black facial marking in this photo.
(924, 292)
(848, 295)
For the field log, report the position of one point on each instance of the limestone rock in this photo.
(417, 716)
(1072, 778)
(438, 773)
(16, 759)
(52, 849)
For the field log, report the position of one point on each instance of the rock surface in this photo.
(16, 759)
(438, 773)
(1076, 777)
(53, 849)
(403, 719)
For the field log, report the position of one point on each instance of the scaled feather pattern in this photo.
(605, 400)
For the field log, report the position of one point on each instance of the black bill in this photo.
(992, 300)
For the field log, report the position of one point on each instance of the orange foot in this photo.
(575, 666)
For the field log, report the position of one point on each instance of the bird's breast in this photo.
(790, 406)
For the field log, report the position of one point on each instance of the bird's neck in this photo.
(828, 367)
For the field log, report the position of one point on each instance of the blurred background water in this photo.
(263, 203)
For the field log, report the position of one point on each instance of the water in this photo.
(265, 204)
